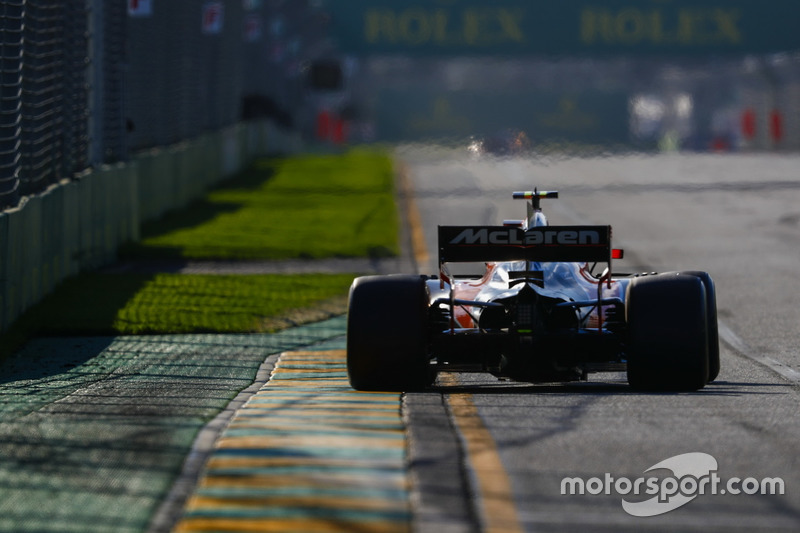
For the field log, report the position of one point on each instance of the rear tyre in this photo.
(667, 347)
(387, 347)
(711, 321)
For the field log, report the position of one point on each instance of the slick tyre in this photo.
(711, 321)
(387, 346)
(667, 347)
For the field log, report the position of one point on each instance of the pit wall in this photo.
(78, 224)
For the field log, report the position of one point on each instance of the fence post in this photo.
(96, 85)
(11, 41)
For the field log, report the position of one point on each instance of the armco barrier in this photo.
(78, 225)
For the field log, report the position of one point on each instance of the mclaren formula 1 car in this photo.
(537, 311)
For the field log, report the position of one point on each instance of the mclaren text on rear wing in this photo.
(505, 243)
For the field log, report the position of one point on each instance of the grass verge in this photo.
(133, 304)
(314, 206)
(301, 207)
(179, 303)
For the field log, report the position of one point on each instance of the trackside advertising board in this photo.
(573, 27)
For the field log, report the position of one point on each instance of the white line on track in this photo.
(735, 342)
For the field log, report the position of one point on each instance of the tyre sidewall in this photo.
(387, 333)
(667, 345)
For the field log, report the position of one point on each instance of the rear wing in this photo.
(578, 244)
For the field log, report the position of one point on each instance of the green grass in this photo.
(132, 304)
(300, 207)
(313, 206)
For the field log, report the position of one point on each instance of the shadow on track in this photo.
(717, 388)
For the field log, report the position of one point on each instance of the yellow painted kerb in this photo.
(494, 486)
(418, 247)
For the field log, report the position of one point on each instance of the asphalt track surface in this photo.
(735, 216)
(94, 431)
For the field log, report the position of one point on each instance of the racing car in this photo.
(537, 310)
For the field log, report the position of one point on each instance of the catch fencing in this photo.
(43, 95)
(85, 83)
(113, 113)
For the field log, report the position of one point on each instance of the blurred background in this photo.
(644, 75)
(88, 83)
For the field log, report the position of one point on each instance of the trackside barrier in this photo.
(79, 224)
